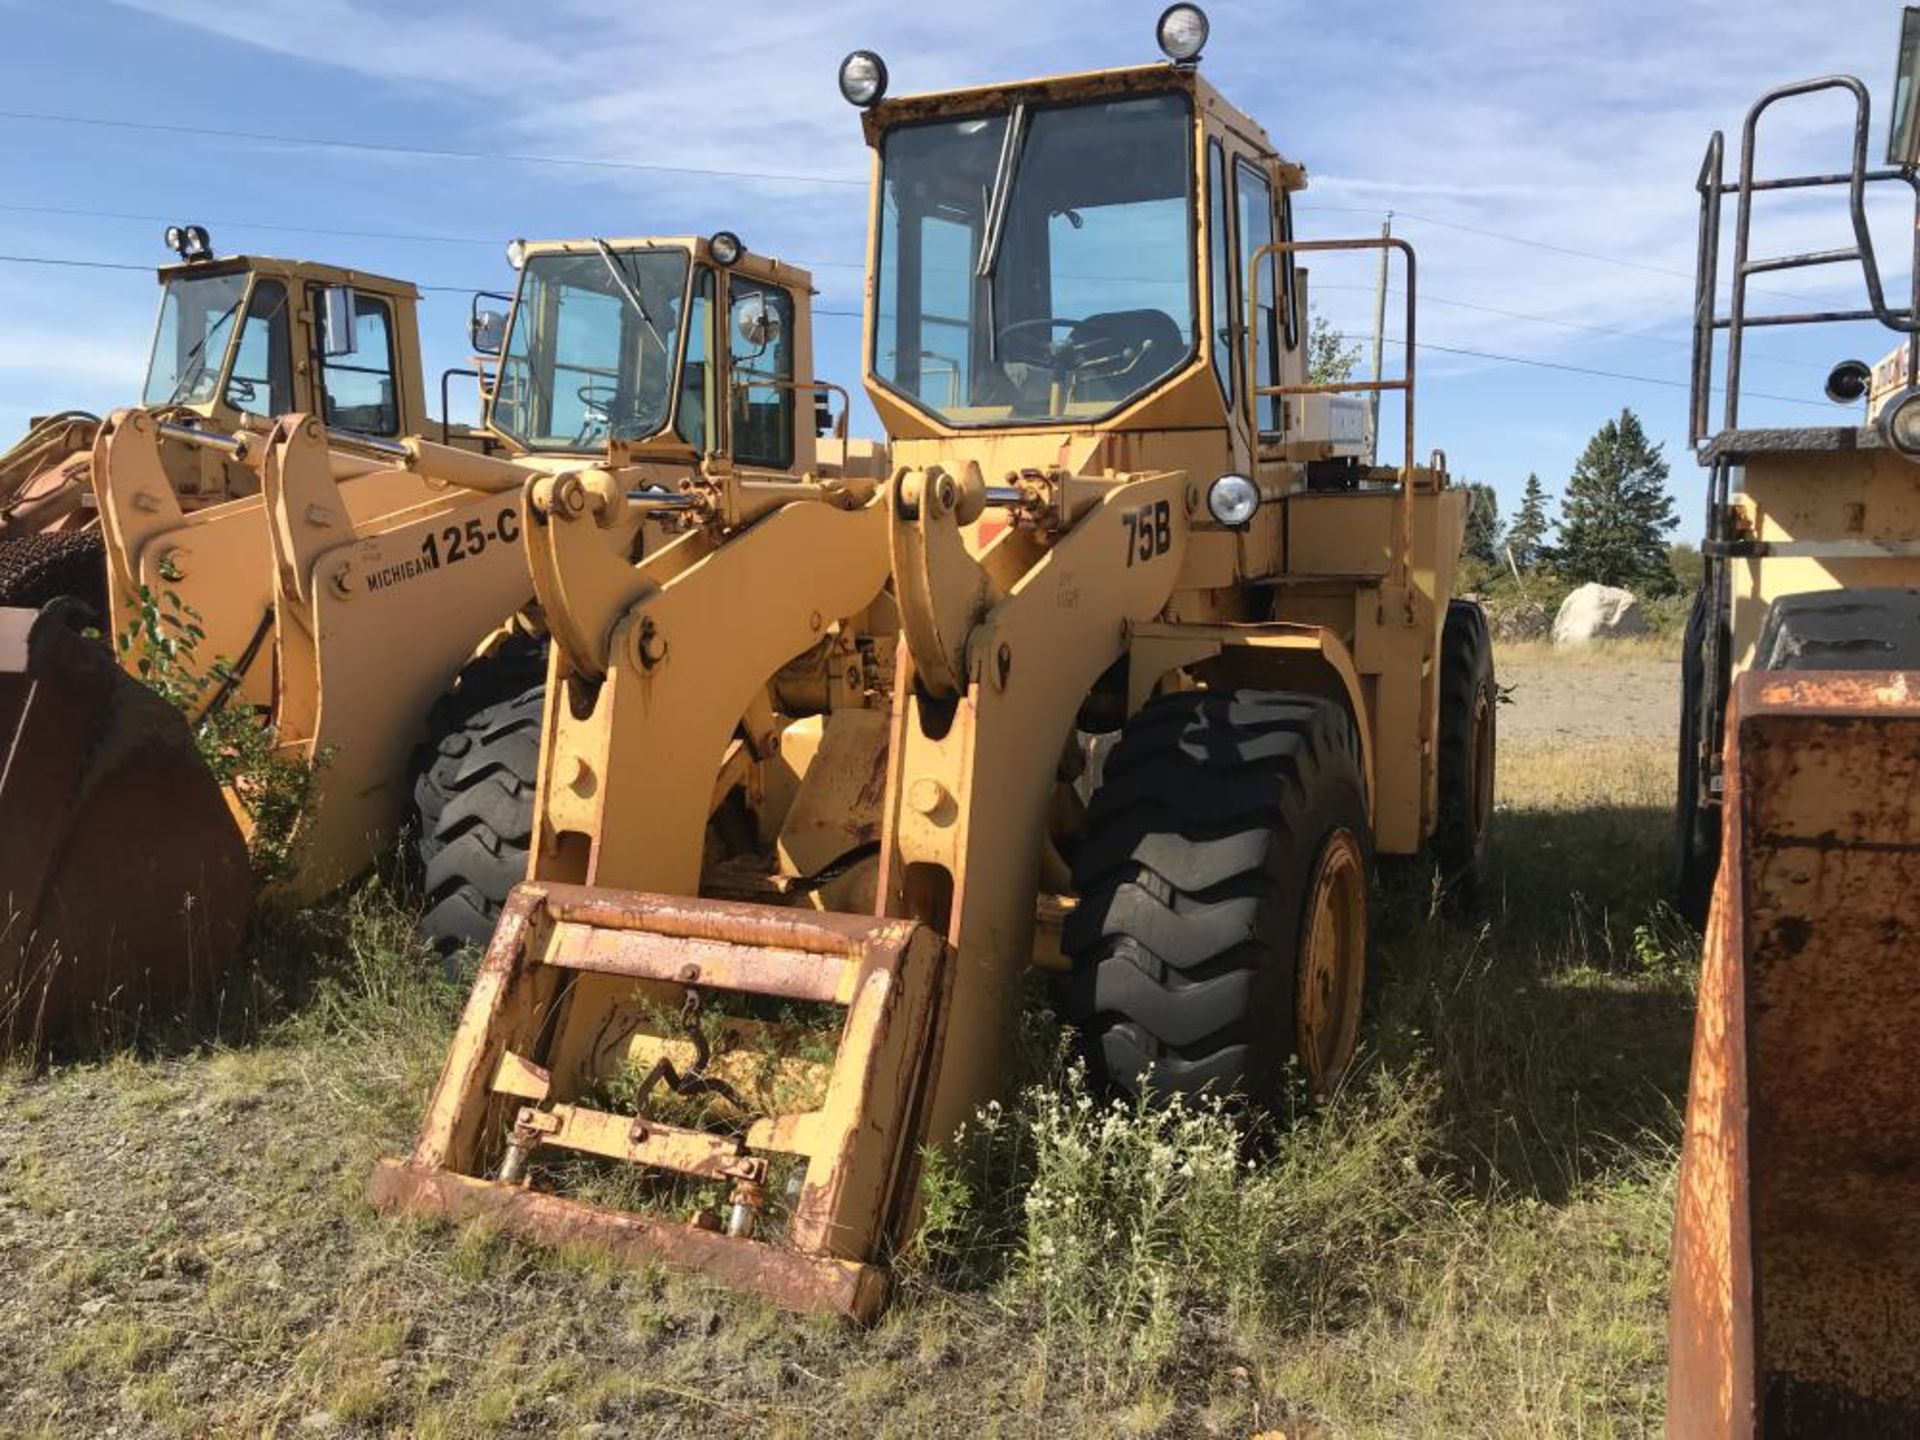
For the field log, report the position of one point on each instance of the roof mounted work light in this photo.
(190, 242)
(863, 79)
(1182, 33)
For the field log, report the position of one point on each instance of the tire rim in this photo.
(1333, 963)
(1482, 764)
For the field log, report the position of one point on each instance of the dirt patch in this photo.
(1605, 696)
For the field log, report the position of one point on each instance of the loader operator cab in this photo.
(244, 335)
(1085, 252)
(673, 349)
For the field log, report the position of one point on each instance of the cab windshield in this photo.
(1037, 265)
(593, 348)
(198, 315)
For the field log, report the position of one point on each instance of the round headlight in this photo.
(516, 253)
(1182, 33)
(1900, 424)
(725, 247)
(176, 240)
(1232, 499)
(863, 78)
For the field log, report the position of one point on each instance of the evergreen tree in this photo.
(1616, 513)
(1482, 541)
(1527, 536)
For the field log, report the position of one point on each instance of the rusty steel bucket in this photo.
(124, 883)
(1796, 1257)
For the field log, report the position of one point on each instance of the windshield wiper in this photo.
(995, 226)
(619, 275)
(627, 288)
(195, 361)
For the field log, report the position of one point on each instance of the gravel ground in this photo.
(1605, 697)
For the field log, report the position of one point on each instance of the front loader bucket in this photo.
(123, 880)
(574, 983)
(1796, 1259)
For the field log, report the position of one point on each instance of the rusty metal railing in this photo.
(1713, 187)
(1403, 509)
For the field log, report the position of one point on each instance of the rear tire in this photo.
(1224, 878)
(1469, 703)
(473, 794)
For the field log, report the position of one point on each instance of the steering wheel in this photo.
(1064, 356)
(598, 396)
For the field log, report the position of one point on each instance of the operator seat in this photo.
(1150, 345)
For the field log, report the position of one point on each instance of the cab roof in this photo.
(750, 263)
(1081, 85)
(312, 271)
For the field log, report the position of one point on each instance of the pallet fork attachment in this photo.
(500, 1108)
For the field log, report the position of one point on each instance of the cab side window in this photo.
(761, 339)
(696, 376)
(1225, 318)
(262, 378)
(359, 388)
(1256, 231)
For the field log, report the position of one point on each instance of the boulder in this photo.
(1597, 612)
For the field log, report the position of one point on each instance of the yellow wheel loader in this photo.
(648, 363)
(1122, 530)
(1796, 1252)
(238, 338)
(349, 595)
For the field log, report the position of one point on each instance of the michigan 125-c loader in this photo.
(1117, 508)
(1796, 1254)
(347, 607)
(240, 339)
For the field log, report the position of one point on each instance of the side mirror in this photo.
(757, 321)
(1903, 142)
(338, 316)
(487, 330)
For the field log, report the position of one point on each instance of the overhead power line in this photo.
(856, 314)
(1663, 381)
(424, 152)
(410, 236)
(1643, 336)
(378, 147)
(489, 240)
(66, 263)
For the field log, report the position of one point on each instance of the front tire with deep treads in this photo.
(473, 793)
(36, 569)
(1469, 703)
(1223, 878)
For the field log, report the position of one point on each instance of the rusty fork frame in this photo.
(503, 1097)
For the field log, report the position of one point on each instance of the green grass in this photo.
(1471, 1239)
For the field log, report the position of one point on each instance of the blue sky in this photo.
(1578, 127)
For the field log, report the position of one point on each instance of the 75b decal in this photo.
(1149, 531)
